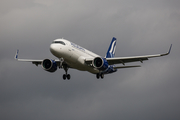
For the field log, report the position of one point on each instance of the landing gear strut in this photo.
(98, 75)
(68, 76)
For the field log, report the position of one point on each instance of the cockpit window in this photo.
(61, 42)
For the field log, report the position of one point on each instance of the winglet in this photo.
(16, 55)
(167, 52)
(170, 49)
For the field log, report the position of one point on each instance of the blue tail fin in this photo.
(111, 51)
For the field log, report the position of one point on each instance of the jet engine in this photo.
(100, 63)
(49, 65)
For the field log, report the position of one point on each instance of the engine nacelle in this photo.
(49, 65)
(100, 63)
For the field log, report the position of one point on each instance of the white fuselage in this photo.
(74, 55)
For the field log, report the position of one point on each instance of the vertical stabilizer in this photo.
(112, 48)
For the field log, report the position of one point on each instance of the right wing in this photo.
(37, 62)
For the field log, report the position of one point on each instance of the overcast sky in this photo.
(141, 27)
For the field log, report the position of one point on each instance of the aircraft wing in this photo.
(123, 60)
(36, 62)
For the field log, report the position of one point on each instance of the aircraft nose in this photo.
(53, 48)
(56, 50)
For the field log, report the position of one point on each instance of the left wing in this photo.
(123, 60)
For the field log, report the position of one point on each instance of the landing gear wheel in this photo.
(68, 76)
(102, 76)
(97, 76)
(64, 76)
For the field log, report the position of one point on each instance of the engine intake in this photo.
(49, 65)
(100, 63)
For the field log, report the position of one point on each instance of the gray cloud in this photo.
(141, 27)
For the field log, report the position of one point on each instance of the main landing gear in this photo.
(98, 75)
(68, 76)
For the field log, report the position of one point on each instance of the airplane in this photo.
(71, 55)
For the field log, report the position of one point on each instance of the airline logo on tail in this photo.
(112, 49)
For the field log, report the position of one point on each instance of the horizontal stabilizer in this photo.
(126, 66)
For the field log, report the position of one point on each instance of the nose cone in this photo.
(54, 49)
